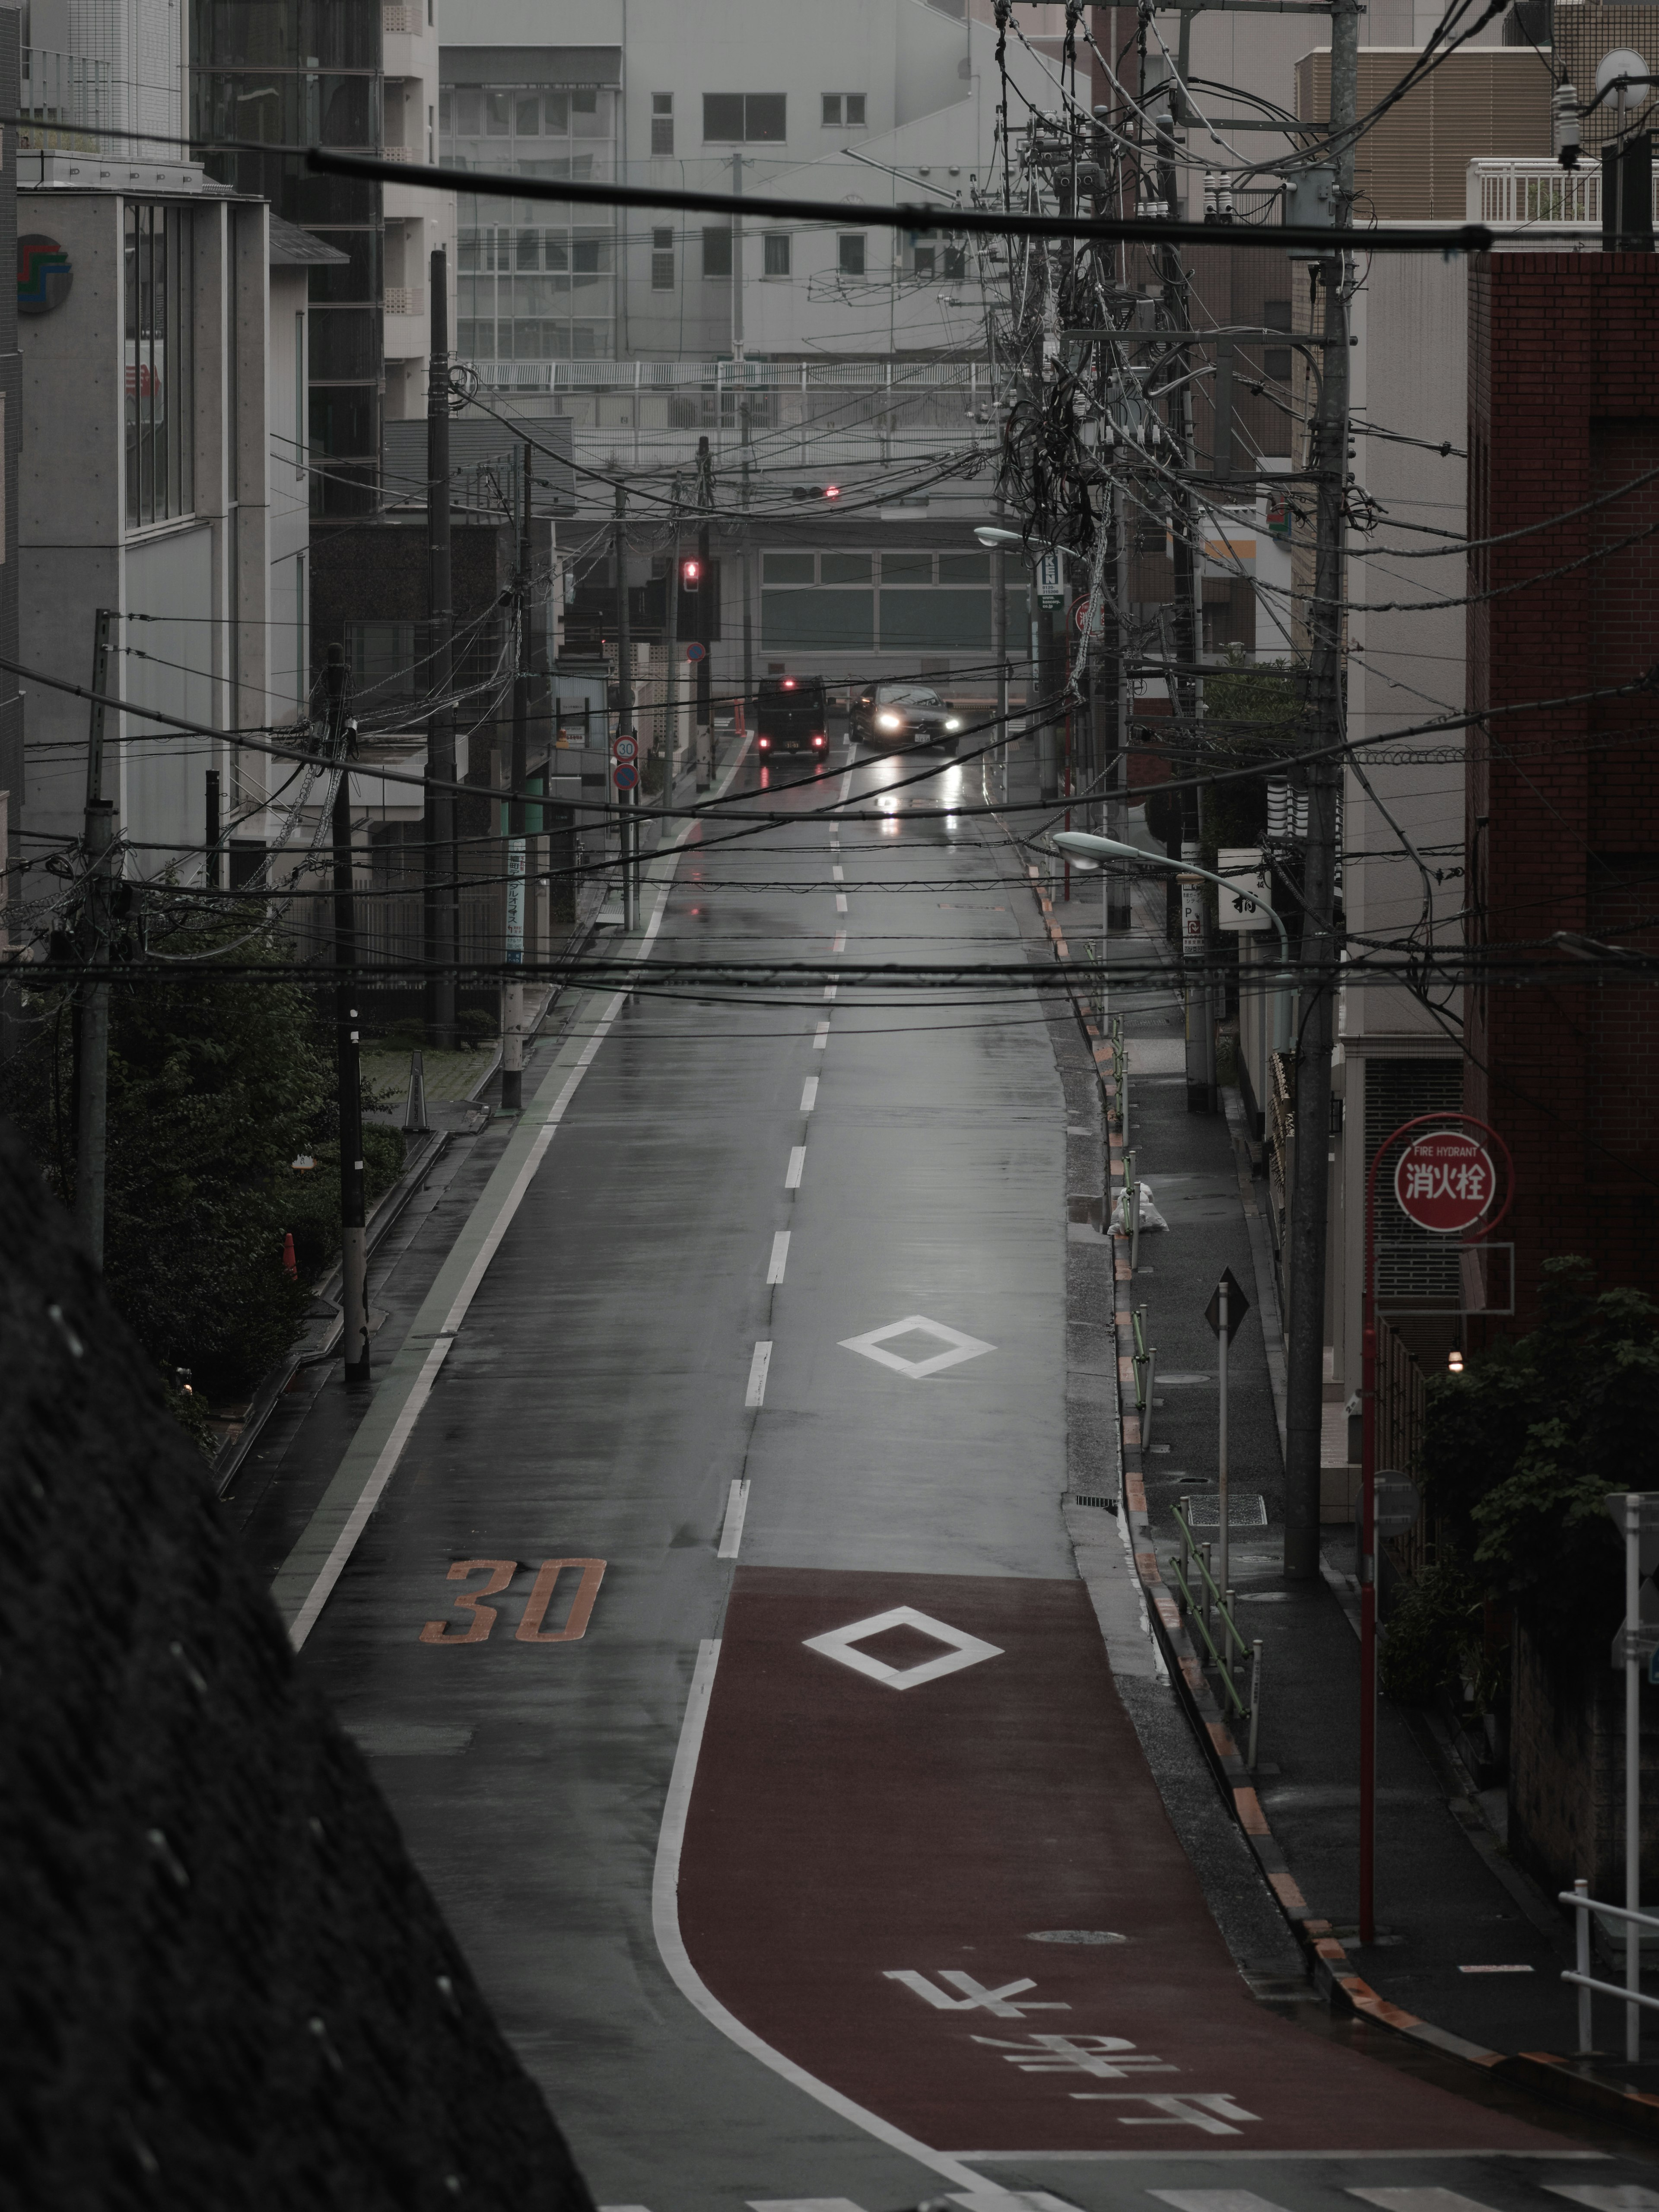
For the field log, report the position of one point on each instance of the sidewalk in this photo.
(1447, 1899)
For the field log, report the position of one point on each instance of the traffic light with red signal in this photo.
(817, 491)
(690, 573)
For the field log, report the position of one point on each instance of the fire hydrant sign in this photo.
(1445, 1182)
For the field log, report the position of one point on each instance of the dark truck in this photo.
(791, 716)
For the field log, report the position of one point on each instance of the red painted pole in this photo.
(1366, 1568)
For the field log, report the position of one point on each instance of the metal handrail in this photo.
(1193, 1554)
(1629, 1997)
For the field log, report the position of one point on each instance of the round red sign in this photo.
(1445, 1182)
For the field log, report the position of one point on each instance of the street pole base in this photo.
(511, 1091)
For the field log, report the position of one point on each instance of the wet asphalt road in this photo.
(786, 1283)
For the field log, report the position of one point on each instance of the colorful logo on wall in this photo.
(44, 275)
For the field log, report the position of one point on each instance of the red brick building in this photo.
(1563, 806)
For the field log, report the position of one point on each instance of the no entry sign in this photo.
(1445, 1182)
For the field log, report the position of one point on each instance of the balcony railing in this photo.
(68, 92)
(405, 299)
(411, 21)
(1535, 192)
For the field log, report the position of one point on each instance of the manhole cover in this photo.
(1075, 1935)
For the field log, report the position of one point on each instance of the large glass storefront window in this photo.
(533, 286)
(160, 307)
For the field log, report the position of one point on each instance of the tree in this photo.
(215, 1085)
(1520, 1451)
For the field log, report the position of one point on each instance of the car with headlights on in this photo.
(894, 716)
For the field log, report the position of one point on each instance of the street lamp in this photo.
(995, 541)
(1082, 845)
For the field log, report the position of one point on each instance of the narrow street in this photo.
(784, 1801)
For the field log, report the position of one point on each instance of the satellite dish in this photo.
(1622, 61)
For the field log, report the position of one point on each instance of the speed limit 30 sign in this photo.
(1445, 1182)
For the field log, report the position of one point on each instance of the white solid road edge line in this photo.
(755, 1395)
(780, 1259)
(792, 1175)
(737, 1504)
(671, 1945)
(420, 1388)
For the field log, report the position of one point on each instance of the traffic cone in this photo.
(290, 1265)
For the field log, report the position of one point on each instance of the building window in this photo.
(843, 107)
(956, 264)
(662, 260)
(924, 263)
(850, 254)
(777, 253)
(743, 119)
(717, 252)
(662, 125)
(159, 362)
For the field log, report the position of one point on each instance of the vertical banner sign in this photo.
(512, 951)
(1193, 919)
(1050, 590)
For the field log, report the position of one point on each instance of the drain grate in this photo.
(1245, 1510)
(1110, 1503)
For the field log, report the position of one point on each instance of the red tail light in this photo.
(765, 744)
(820, 740)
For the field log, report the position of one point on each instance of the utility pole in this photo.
(92, 1095)
(517, 815)
(671, 623)
(999, 645)
(354, 1243)
(628, 824)
(705, 601)
(741, 365)
(213, 866)
(1311, 1181)
(442, 901)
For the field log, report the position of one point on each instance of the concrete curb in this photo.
(1560, 2081)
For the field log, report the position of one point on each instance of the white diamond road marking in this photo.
(958, 1347)
(963, 1651)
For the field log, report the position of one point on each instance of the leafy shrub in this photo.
(1520, 1451)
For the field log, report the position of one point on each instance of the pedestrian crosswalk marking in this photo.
(1419, 2200)
(1213, 2200)
(1618, 2196)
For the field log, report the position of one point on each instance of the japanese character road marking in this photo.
(1208, 2111)
(976, 1997)
(1107, 2057)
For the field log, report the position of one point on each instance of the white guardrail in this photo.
(1533, 191)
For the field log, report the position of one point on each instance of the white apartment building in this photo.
(166, 359)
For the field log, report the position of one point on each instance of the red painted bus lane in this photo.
(925, 1861)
